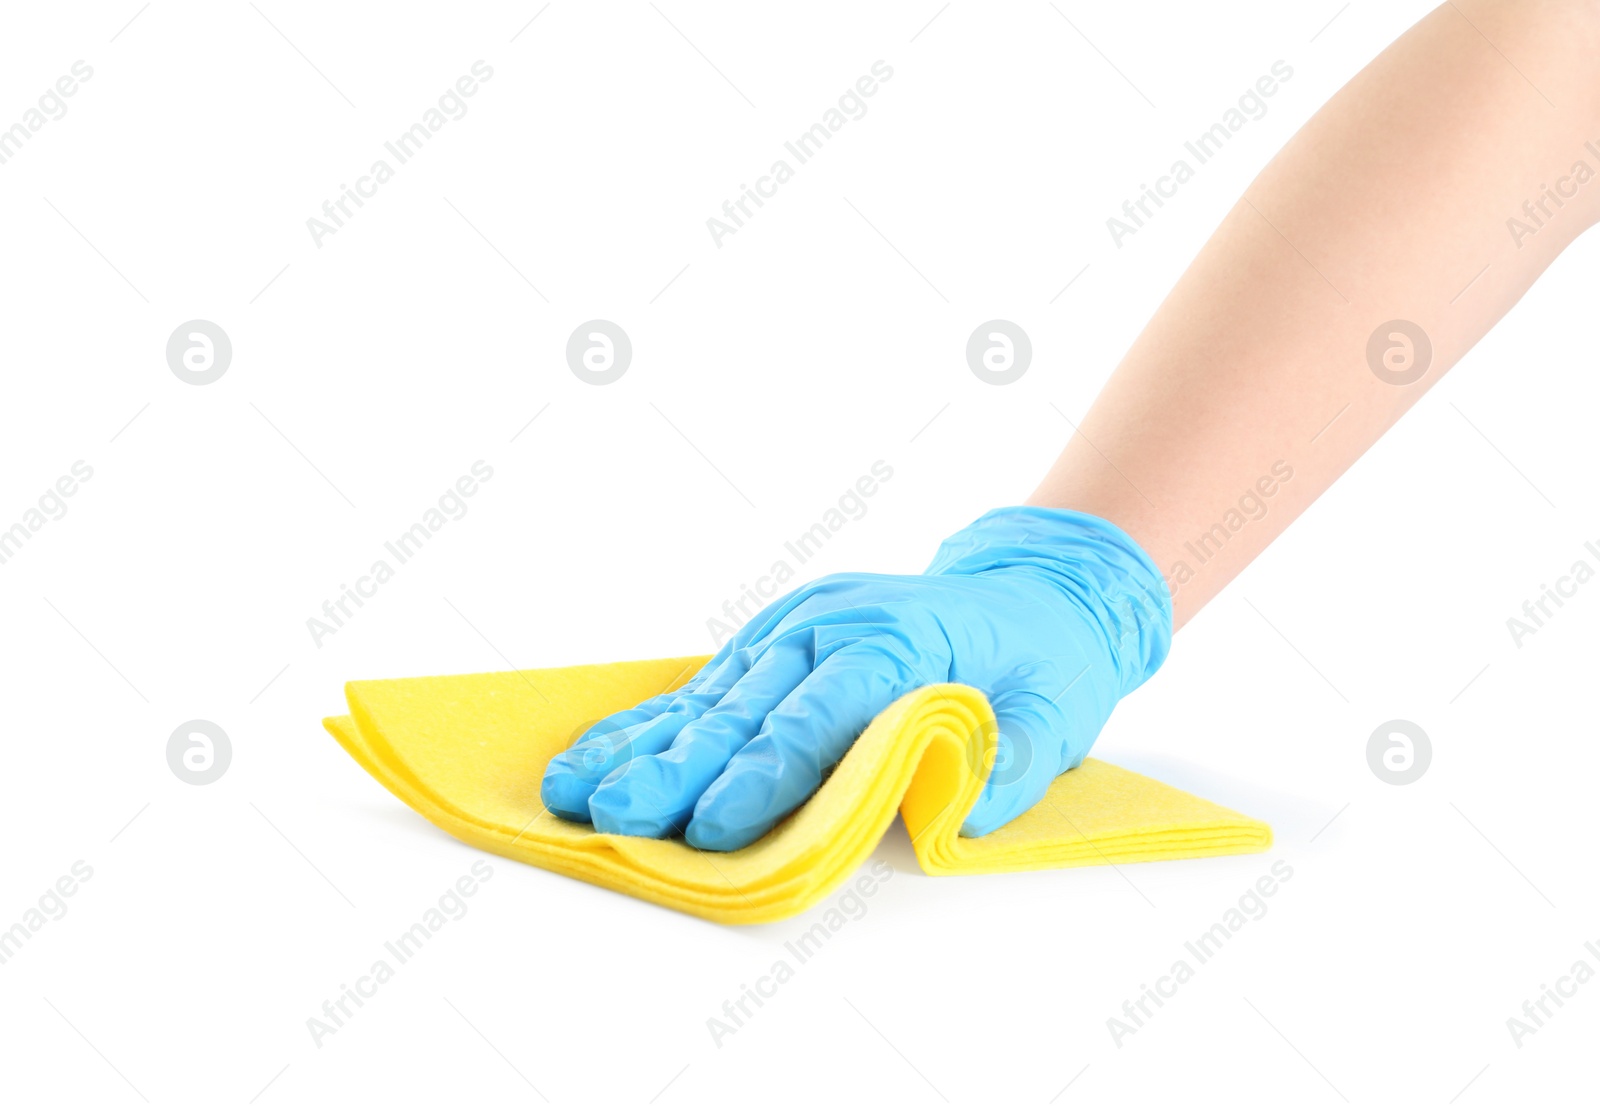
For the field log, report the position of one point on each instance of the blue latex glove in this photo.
(1055, 615)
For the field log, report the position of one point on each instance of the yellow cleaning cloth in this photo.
(468, 753)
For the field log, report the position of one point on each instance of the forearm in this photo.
(1392, 203)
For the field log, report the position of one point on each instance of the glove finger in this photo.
(808, 733)
(653, 795)
(1027, 757)
(611, 743)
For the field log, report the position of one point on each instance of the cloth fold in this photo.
(468, 753)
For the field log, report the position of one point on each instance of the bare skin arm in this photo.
(1383, 224)
(1393, 203)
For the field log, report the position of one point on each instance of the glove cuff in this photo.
(1098, 566)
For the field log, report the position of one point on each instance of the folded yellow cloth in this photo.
(468, 753)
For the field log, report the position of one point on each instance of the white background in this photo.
(768, 375)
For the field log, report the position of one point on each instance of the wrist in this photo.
(1098, 567)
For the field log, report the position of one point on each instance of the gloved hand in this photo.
(1055, 615)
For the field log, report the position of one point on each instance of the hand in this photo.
(1053, 614)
